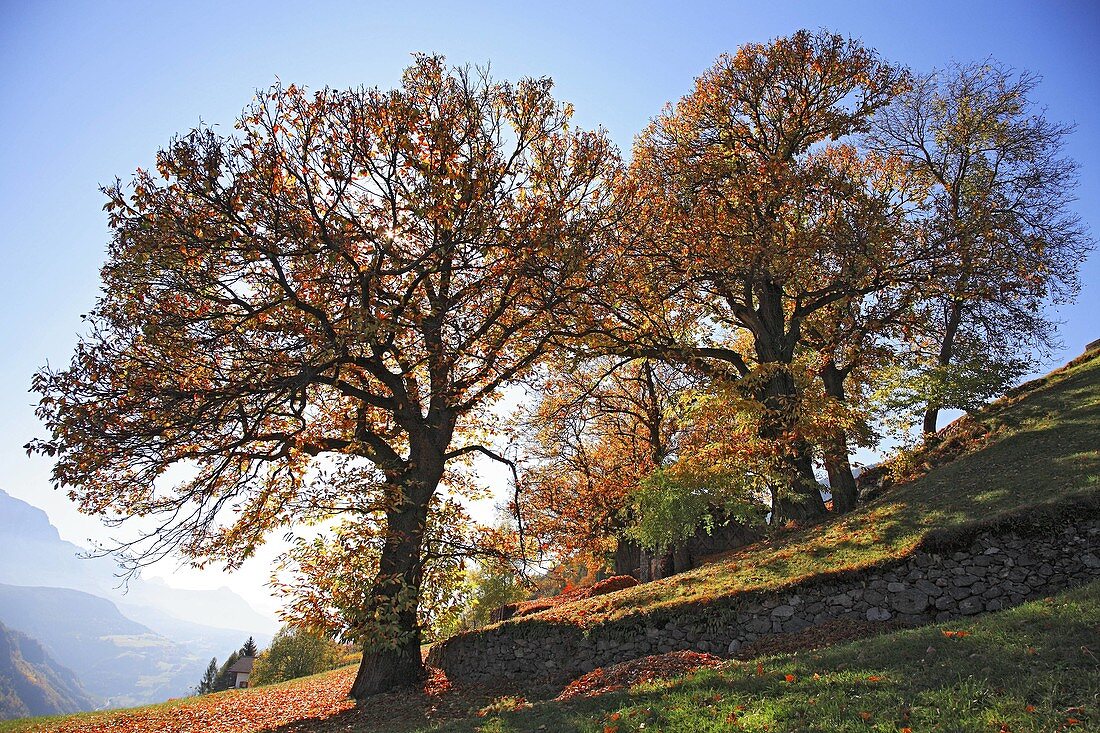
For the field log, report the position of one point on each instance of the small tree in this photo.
(599, 428)
(209, 681)
(249, 648)
(998, 213)
(225, 678)
(294, 653)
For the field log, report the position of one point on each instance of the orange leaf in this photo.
(865, 715)
(789, 678)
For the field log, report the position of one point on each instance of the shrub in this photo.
(296, 653)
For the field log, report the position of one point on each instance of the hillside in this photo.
(119, 661)
(1034, 454)
(1030, 669)
(33, 683)
(1035, 447)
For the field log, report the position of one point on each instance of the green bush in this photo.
(296, 653)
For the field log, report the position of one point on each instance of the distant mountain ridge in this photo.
(144, 645)
(119, 661)
(33, 553)
(33, 683)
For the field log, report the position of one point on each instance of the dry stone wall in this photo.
(993, 569)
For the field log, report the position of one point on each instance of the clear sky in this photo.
(90, 91)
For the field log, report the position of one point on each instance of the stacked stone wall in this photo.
(989, 570)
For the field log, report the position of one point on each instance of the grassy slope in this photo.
(1031, 668)
(254, 709)
(1043, 446)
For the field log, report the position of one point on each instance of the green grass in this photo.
(1042, 448)
(1031, 668)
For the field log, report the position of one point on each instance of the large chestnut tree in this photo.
(353, 274)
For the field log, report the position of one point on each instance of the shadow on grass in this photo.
(1032, 668)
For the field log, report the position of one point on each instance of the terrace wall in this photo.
(985, 568)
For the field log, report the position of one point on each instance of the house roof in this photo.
(244, 664)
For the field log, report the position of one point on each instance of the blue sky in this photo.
(90, 91)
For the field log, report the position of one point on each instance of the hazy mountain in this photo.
(32, 683)
(198, 639)
(143, 645)
(33, 553)
(118, 660)
(221, 608)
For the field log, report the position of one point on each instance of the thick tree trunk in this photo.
(842, 483)
(798, 495)
(391, 656)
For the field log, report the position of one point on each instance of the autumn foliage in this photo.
(310, 320)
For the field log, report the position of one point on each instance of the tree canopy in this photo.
(352, 273)
(311, 319)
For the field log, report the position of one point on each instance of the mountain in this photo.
(198, 639)
(32, 683)
(33, 553)
(221, 608)
(119, 661)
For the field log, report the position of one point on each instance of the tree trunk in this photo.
(391, 656)
(842, 484)
(800, 500)
(798, 495)
(931, 420)
(947, 350)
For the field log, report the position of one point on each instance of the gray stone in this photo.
(877, 614)
(909, 601)
(783, 611)
(970, 606)
(929, 588)
(895, 587)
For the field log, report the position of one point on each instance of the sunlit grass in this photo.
(1029, 669)
(1041, 448)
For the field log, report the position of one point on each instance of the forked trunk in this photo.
(842, 483)
(797, 495)
(391, 654)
